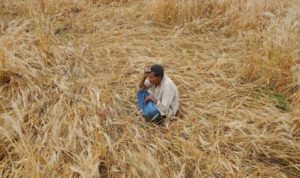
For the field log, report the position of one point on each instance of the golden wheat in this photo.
(68, 80)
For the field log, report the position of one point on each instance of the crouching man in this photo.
(158, 96)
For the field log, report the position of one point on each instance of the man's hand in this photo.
(150, 98)
(146, 72)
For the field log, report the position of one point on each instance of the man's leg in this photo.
(141, 96)
(148, 110)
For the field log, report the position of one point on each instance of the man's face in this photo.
(155, 80)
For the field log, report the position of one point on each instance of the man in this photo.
(163, 99)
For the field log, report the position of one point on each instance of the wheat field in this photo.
(69, 71)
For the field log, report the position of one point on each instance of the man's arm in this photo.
(166, 100)
(142, 82)
(150, 98)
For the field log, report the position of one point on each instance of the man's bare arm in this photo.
(142, 82)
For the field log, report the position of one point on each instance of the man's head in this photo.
(156, 74)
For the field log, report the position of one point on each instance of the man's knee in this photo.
(150, 111)
(142, 92)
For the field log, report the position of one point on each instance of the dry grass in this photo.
(69, 72)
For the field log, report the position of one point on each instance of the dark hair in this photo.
(158, 70)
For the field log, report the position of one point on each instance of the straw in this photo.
(69, 72)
